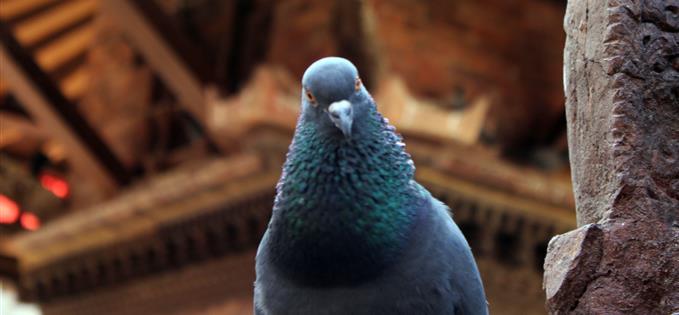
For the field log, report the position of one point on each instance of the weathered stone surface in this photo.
(570, 264)
(622, 90)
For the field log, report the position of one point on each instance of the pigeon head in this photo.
(333, 95)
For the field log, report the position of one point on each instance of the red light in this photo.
(9, 210)
(30, 221)
(58, 186)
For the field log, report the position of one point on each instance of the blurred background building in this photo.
(141, 140)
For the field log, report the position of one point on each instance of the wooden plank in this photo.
(164, 61)
(9, 266)
(88, 154)
(506, 202)
(51, 21)
(75, 83)
(468, 129)
(15, 128)
(10, 9)
(64, 48)
(174, 36)
(3, 87)
(164, 200)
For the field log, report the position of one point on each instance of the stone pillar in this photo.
(621, 73)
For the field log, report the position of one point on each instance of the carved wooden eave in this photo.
(188, 215)
(218, 208)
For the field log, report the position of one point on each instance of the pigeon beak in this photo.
(341, 114)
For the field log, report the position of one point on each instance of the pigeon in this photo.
(351, 231)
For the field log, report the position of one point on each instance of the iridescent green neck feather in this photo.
(345, 206)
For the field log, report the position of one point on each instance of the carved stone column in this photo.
(622, 88)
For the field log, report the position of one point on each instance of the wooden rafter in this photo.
(192, 55)
(15, 128)
(57, 115)
(38, 27)
(160, 55)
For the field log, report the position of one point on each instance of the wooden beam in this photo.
(10, 9)
(159, 55)
(193, 55)
(151, 207)
(53, 20)
(88, 154)
(3, 88)
(75, 84)
(15, 128)
(65, 48)
(9, 267)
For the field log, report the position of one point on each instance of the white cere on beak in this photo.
(341, 115)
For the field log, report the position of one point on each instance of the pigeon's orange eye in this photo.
(357, 84)
(310, 97)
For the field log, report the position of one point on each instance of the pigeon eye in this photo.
(357, 84)
(310, 97)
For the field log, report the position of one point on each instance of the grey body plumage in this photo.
(365, 238)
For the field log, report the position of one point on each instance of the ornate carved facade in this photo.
(189, 236)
